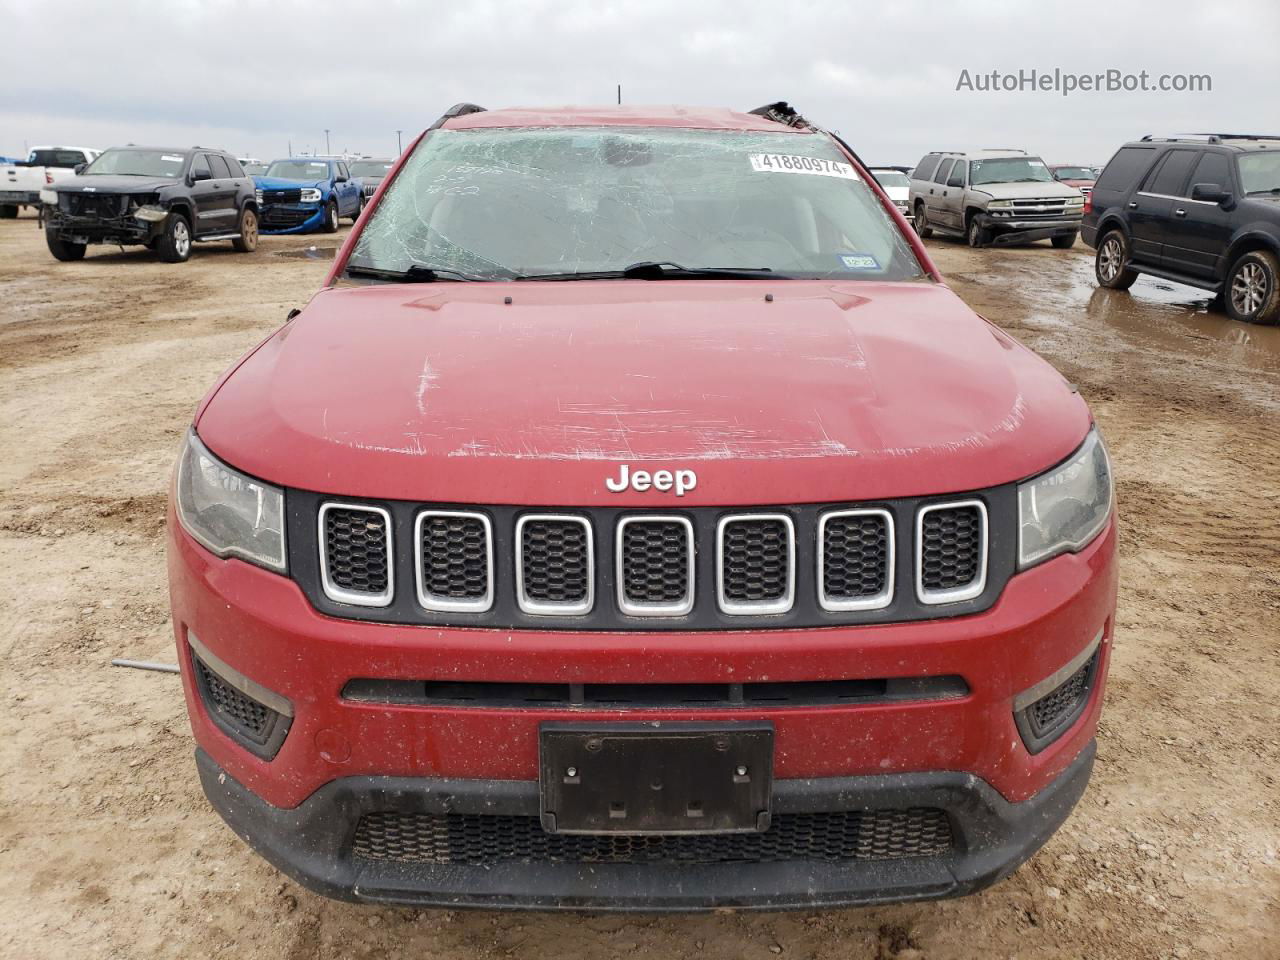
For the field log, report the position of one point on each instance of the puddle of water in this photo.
(310, 253)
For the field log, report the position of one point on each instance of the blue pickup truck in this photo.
(302, 194)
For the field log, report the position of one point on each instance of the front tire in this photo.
(977, 234)
(1253, 288)
(247, 242)
(331, 217)
(1109, 263)
(921, 222)
(63, 250)
(1064, 242)
(174, 245)
(8, 211)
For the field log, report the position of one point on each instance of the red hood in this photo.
(829, 392)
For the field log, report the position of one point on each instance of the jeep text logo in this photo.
(681, 481)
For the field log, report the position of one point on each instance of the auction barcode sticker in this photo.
(786, 163)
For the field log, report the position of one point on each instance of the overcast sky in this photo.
(254, 77)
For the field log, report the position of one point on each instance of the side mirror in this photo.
(79, 168)
(955, 182)
(198, 175)
(1211, 193)
(339, 179)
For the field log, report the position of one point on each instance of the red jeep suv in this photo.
(636, 521)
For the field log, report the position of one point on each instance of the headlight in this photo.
(150, 213)
(49, 196)
(1067, 507)
(999, 204)
(1075, 201)
(310, 195)
(231, 514)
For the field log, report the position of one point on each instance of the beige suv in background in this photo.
(993, 196)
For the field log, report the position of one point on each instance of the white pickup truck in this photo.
(21, 183)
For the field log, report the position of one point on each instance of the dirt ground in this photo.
(108, 849)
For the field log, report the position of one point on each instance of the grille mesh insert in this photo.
(554, 561)
(478, 839)
(951, 548)
(356, 548)
(756, 561)
(1059, 706)
(655, 562)
(242, 712)
(855, 557)
(455, 557)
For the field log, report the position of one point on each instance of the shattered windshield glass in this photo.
(504, 203)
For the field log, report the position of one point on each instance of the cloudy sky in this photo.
(255, 77)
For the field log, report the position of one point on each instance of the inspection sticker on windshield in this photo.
(785, 163)
(168, 159)
(859, 261)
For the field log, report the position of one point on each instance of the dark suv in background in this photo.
(1201, 209)
(160, 197)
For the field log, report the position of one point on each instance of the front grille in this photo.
(620, 569)
(455, 560)
(756, 564)
(282, 196)
(285, 217)
(554, 564)
(93, 204)
(370, 189)
(355, 558)
(250, 717)
(856, 559)
(1037, 209)
(655, 566)
(951, 552)
(479, 840)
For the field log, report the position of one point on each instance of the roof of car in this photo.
(701, 118)
(984, 154)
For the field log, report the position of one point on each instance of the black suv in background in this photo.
(1201, 209)
(159, 197)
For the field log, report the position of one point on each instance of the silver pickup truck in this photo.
(993, 196)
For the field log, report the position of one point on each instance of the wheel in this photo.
(1253, 288)
(359, 210)
(922, 222)
(1064, 242)
(63, 250)
(8, 211)
(331, 217)
(977, 234)
(247, 242)
(174, 245)
(1109, 263)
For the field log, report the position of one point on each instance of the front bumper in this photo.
(1024, 230)
(20, 197)
(117, 230)
(313, 844)
(281, 218)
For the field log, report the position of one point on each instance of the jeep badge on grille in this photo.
(681, 481)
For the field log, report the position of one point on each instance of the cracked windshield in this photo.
(563, 203)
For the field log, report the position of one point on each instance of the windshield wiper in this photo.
(661, 270)
(415, 273)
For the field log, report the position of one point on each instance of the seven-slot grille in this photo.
(454, 560)
(555, 564)
(951, 551)
(655, 558)
(355, 561)
(469, 561)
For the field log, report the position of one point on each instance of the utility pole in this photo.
(399, 145)
(619, 97)
(326, 146)
(290, 152)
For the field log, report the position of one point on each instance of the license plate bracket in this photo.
(656, 778)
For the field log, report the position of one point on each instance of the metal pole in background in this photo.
(327, 151)
(619, 97)
(399, 145)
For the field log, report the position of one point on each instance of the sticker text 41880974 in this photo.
(786, 163)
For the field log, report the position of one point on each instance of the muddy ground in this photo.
(108, 849)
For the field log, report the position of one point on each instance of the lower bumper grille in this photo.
(285, 217)
(1048, 718)
(479, 839)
